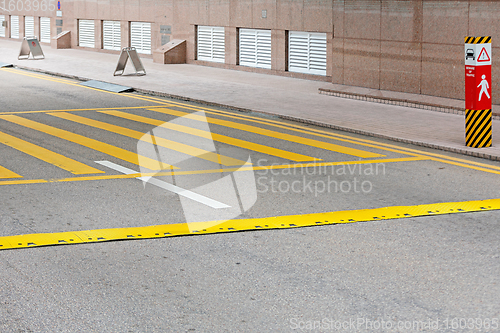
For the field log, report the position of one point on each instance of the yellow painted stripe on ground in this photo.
(87, 142)
(364, 142)
(179, 147)
(48, 156)
(6, 173)
(272, 134)
(37, 75)
(75, 110)
(198, 172)
(278, 222)
(216, 137)
(322, 133)
(369, 143)
(71, 83)
(466, 165)
(280, 124)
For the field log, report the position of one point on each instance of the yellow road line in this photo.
(48, 156)
(75, 110)
(198, 172)
(88, 142)
(6, 173)
(277, 124)
(46, 78)
(38, 75)
(179, 147)
(364, 142)
(272, 134)
(494, 171)
(276, 222)
(384, 146)
(298, 128)
(216, 137)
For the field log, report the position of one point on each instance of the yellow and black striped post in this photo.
(478, 92)
(477, 40)
(478, 128)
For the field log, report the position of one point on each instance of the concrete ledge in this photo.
(61, 41)
(174, 52)
(399, 102)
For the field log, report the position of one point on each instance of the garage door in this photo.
(2, 28)
(307, 52)
(140, 36)
(255, 48)
(45, 29)
(86, 36)
(29, 26)
(111, 35)
(14, 26)
(211, 44)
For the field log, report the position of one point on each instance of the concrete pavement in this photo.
(288, 98)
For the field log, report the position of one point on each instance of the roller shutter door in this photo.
(211, 44)
(111, 35)
(14, 26)
(307, 52)
(29, 26)
(86, 36)
(255, 48)
(2, 28)
(45, 29)
(140, 36)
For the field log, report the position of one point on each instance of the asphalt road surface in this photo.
(230, 205)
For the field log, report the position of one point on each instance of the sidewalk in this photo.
(288, 98)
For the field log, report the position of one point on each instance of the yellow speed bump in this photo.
(278, 222)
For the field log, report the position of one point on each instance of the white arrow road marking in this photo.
(167, 186)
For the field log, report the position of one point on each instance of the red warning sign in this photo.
(483, 56)
(478, 87)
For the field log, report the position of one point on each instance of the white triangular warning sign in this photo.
(483, 56)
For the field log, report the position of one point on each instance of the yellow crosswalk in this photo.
(46, 155)
(176, 146)
(216, 137)
(89, 143)
(189, 129)
(272, 134)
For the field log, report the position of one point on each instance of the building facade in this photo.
(414, 46)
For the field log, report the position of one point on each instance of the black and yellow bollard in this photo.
(478, 91)
(478, 128)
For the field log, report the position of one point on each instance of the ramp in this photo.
(107, 86)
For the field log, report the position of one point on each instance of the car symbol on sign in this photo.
(470, 54)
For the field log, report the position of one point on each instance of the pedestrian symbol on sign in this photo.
(484, 87)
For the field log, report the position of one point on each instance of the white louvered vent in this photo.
(2, 28)
(111, 35)
(307, 52)
(45, 29)
(14, 26)
(29, 26)
(255, 48)
(211, 44)
(86, 33)
(140, 36)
